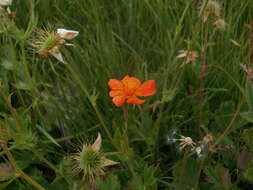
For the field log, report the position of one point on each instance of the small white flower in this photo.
(67, 34)
(5, 2)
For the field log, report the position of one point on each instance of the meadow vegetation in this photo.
(69, 114)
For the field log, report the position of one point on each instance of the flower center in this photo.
(89, 160)
(130, 89)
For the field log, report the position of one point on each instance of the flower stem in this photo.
(125, 113)
(203, 73)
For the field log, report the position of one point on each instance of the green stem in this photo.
(17, 169)
(125, 112)
(203, 72)
(12, 110)
(199, 172)
(227, 130)
(30, 180)
(182, 169)
(11, 148)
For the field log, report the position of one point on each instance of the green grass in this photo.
(48, 109)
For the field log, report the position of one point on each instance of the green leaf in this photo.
(47, 135)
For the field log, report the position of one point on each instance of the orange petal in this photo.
(148, 88)
(115, 84)
(126, 78)
(135, 100)
(114, 93)
(119, 100)
(130, 84)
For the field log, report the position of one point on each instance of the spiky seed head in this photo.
(47, 43)
(90, 161)
(207, 139)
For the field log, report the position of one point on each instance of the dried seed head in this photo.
(186, 141)
(210, 8)
(190, 56)
(220, 24)
(207, 139)
(213, 6)
(248, 70)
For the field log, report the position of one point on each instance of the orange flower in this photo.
(128, 89)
